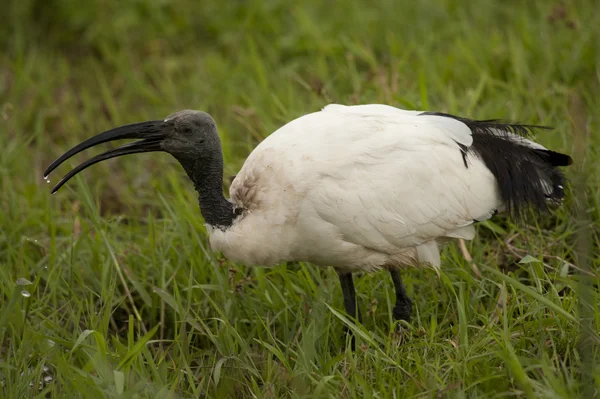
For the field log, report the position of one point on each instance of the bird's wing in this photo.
(394, 179)
(452, 128)
(387, 179)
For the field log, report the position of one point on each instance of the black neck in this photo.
(207, 176)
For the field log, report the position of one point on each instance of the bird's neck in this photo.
(207, 176)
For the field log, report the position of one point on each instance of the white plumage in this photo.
(357, 188)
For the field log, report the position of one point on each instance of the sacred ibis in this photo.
(358, 188)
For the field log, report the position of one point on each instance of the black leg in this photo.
(349, 293)
(403, 306)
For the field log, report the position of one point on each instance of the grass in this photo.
(109, 289)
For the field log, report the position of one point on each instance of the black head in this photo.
(190, 136)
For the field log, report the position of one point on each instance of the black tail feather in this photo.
(555, 158)
(527, 177)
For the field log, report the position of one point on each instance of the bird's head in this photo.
(190, 136)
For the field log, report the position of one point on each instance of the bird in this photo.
(359, 188)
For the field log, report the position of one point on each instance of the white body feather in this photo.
(357, 188)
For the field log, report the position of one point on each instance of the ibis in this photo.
(358, 188)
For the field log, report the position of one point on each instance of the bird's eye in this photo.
(186, 130)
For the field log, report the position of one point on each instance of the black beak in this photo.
(152, 133)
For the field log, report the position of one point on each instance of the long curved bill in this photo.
(152, 133)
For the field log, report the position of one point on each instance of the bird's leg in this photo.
(350, 304)
(403, 306)
(349, 293)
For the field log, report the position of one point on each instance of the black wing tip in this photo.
(555, 158)
(558, 159)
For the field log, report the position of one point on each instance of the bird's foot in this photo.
(401, 312)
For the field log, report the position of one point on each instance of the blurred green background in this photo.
(109, 288)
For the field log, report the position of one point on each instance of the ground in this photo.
(108, 288)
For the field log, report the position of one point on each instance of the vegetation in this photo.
(109, 289)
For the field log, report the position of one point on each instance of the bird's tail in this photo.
(528, 174)
(553, 175)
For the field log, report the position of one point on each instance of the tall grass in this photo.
(109, 288)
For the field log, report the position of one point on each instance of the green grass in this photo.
(109, 289)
